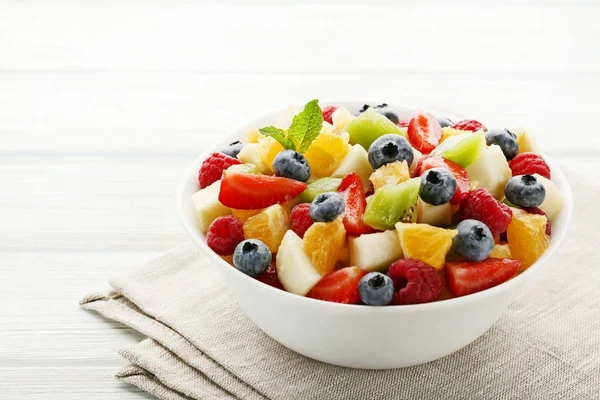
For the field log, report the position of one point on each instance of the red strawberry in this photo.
(463, 183)
(328, 112)
(339, 286)
(353, 192)
(213, 167)
(424, 132)
(469, 125)
(270, 277)
(300, 219)
(529, 163)
(469, 277)
(251, 191)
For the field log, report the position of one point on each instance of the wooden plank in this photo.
(89, 203)
(320, 38)
(50, 347)
(183, 113)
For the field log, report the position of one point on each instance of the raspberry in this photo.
(469, 125)
(535, 210)
(529, 163)
(213, 167)
(480, 205)
(224, 234)
(403, 123)
(328, 112)
(270, 277)
(415, 282)
(300, 219)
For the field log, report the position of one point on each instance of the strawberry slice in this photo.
(251, 191)
(327, 113)
(463, 183)
(424, 132)
(352, 190)
(469, 277)
(339, 286)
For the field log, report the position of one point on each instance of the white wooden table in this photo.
(103, 104)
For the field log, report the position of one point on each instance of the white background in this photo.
(103, 104)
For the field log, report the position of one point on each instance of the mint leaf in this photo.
(279, 135)
(306, 126)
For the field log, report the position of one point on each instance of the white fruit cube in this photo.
(357, 160)
(554, 202)
(526, 142)
(491, 171)
(417, 156)
(434, 215)
(375, 251)
(250, 155)
(340, 118)
(207, 205)
(294, 269)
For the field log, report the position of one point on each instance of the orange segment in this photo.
(268, 226)
(501, 251)
(323, 243)
(326, 153)
(425, 242)
(268, 148)
(245, 215)
(228, 259)
(527, 237)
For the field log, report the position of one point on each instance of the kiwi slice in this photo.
(462, 149)
(392, 204)
(319, 186)
(368, 126)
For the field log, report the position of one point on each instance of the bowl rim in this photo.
(192, 230)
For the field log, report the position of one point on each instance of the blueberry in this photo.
(505, 139)
(525, 191)
(444, 122)
(474, 240)
(437, 186)
(291, 164)
(326, 207)
(233, 149)
(376, 289)
(388, 149)
(383, 109)
(252, 257)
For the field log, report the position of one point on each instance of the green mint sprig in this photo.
(305, 128)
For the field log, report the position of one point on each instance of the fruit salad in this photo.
(367, 208)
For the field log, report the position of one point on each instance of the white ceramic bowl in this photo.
(361, 336)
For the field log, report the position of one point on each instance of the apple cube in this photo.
(374, 251)
(491, 171)
(434, 215)
(525, 141)
(554, 202)
(294, 269)
(250, 155)
(207, 205)
(357, 160)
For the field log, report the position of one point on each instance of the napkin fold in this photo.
(202, 346)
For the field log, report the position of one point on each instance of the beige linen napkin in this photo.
(202, 346)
